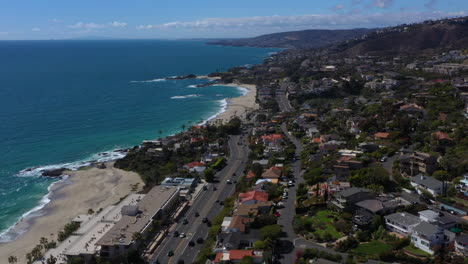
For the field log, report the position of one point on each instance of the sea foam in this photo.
(185, 96)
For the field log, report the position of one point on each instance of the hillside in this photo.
(304, 39)
(407, 39)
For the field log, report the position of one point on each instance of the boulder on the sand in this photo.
(54, 172)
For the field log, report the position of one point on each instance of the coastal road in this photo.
(205, 204)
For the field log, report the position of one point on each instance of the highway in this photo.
(205, 204)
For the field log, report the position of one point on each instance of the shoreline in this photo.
(237, 106)
(89, 188)
(25, 233)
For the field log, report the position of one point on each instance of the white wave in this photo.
(185, 96)
(150, 81)
(192, 86)
(223, 106)
(100, 157)
(243, 90)
(11, 233)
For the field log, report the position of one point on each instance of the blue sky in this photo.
(58, 19)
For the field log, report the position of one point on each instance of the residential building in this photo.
(427, 183)
(401, 223)
(425, 236)
(461, 245)
(183, 183)
(347, 199)
(236, 256)
(158, 204)
(417, 162)
(252, 197)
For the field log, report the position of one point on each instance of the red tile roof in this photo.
(250, 175)
(194, 164)
(272, 137)
(441, 135)
(382, 135)
(240, 254)
(253, 195)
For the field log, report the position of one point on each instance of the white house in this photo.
(425, 236)
(402, 223)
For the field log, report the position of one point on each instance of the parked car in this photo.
(170, 253)
(229, 182)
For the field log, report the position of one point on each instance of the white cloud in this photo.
(382, 3)
(337, 8)
(92, 25)
(35, 29)
(278, 23)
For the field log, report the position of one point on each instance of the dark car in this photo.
(185, 222)
(200, 240)
(170, 253)
(205, 220)
(197, 214)
(221, 203)
(191, 244)
(176, 234)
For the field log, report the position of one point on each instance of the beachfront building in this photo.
(157, 205)
(187, 184)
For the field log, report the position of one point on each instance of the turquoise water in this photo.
(63, 102)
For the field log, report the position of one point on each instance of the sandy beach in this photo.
(90, 188)
(238, 106)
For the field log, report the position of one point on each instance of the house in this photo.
(272, 139)
(381, 136)
(412, 109)
(238, 224)
(425, 236)
(183, 183)
(401, 223)
(328, 137)
(227, 241)
(346, 199)
(253, 197)
(195, 166)
(250, 175)
(273, 173)
(427, 183)
(368, 209)
(367, 147)
(428, 216)
(354, 124)
(248, 210)
(236, 256)
(461, 245)
(417, 162)
(442, 137)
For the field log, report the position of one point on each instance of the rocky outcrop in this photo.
(53, 173)
(189, 76)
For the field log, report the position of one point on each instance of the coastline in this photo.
(88, 188)
(237, 106)
(85, 187)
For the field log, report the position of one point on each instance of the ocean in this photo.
(66, 103)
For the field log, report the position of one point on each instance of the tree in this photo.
(272, 231)
(257, 169)
(247, 260)
(12, 259)
(209, 175)
(51, 260)
(259, 244)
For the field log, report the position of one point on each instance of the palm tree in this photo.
(12, 259)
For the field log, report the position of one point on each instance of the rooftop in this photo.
(123, 230)
(404, 219)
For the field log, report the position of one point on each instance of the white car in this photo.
(182, 235)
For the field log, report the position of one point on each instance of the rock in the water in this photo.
(190, 76)
(54, 172)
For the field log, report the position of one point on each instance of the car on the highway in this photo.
(200, 240)
(185, 222)
(170, 253)
(197, 214)
(205, 220)
(229, 182)
(191, 243)
(221, 203)
(182, 235)
(176, 234)
(383, 159)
